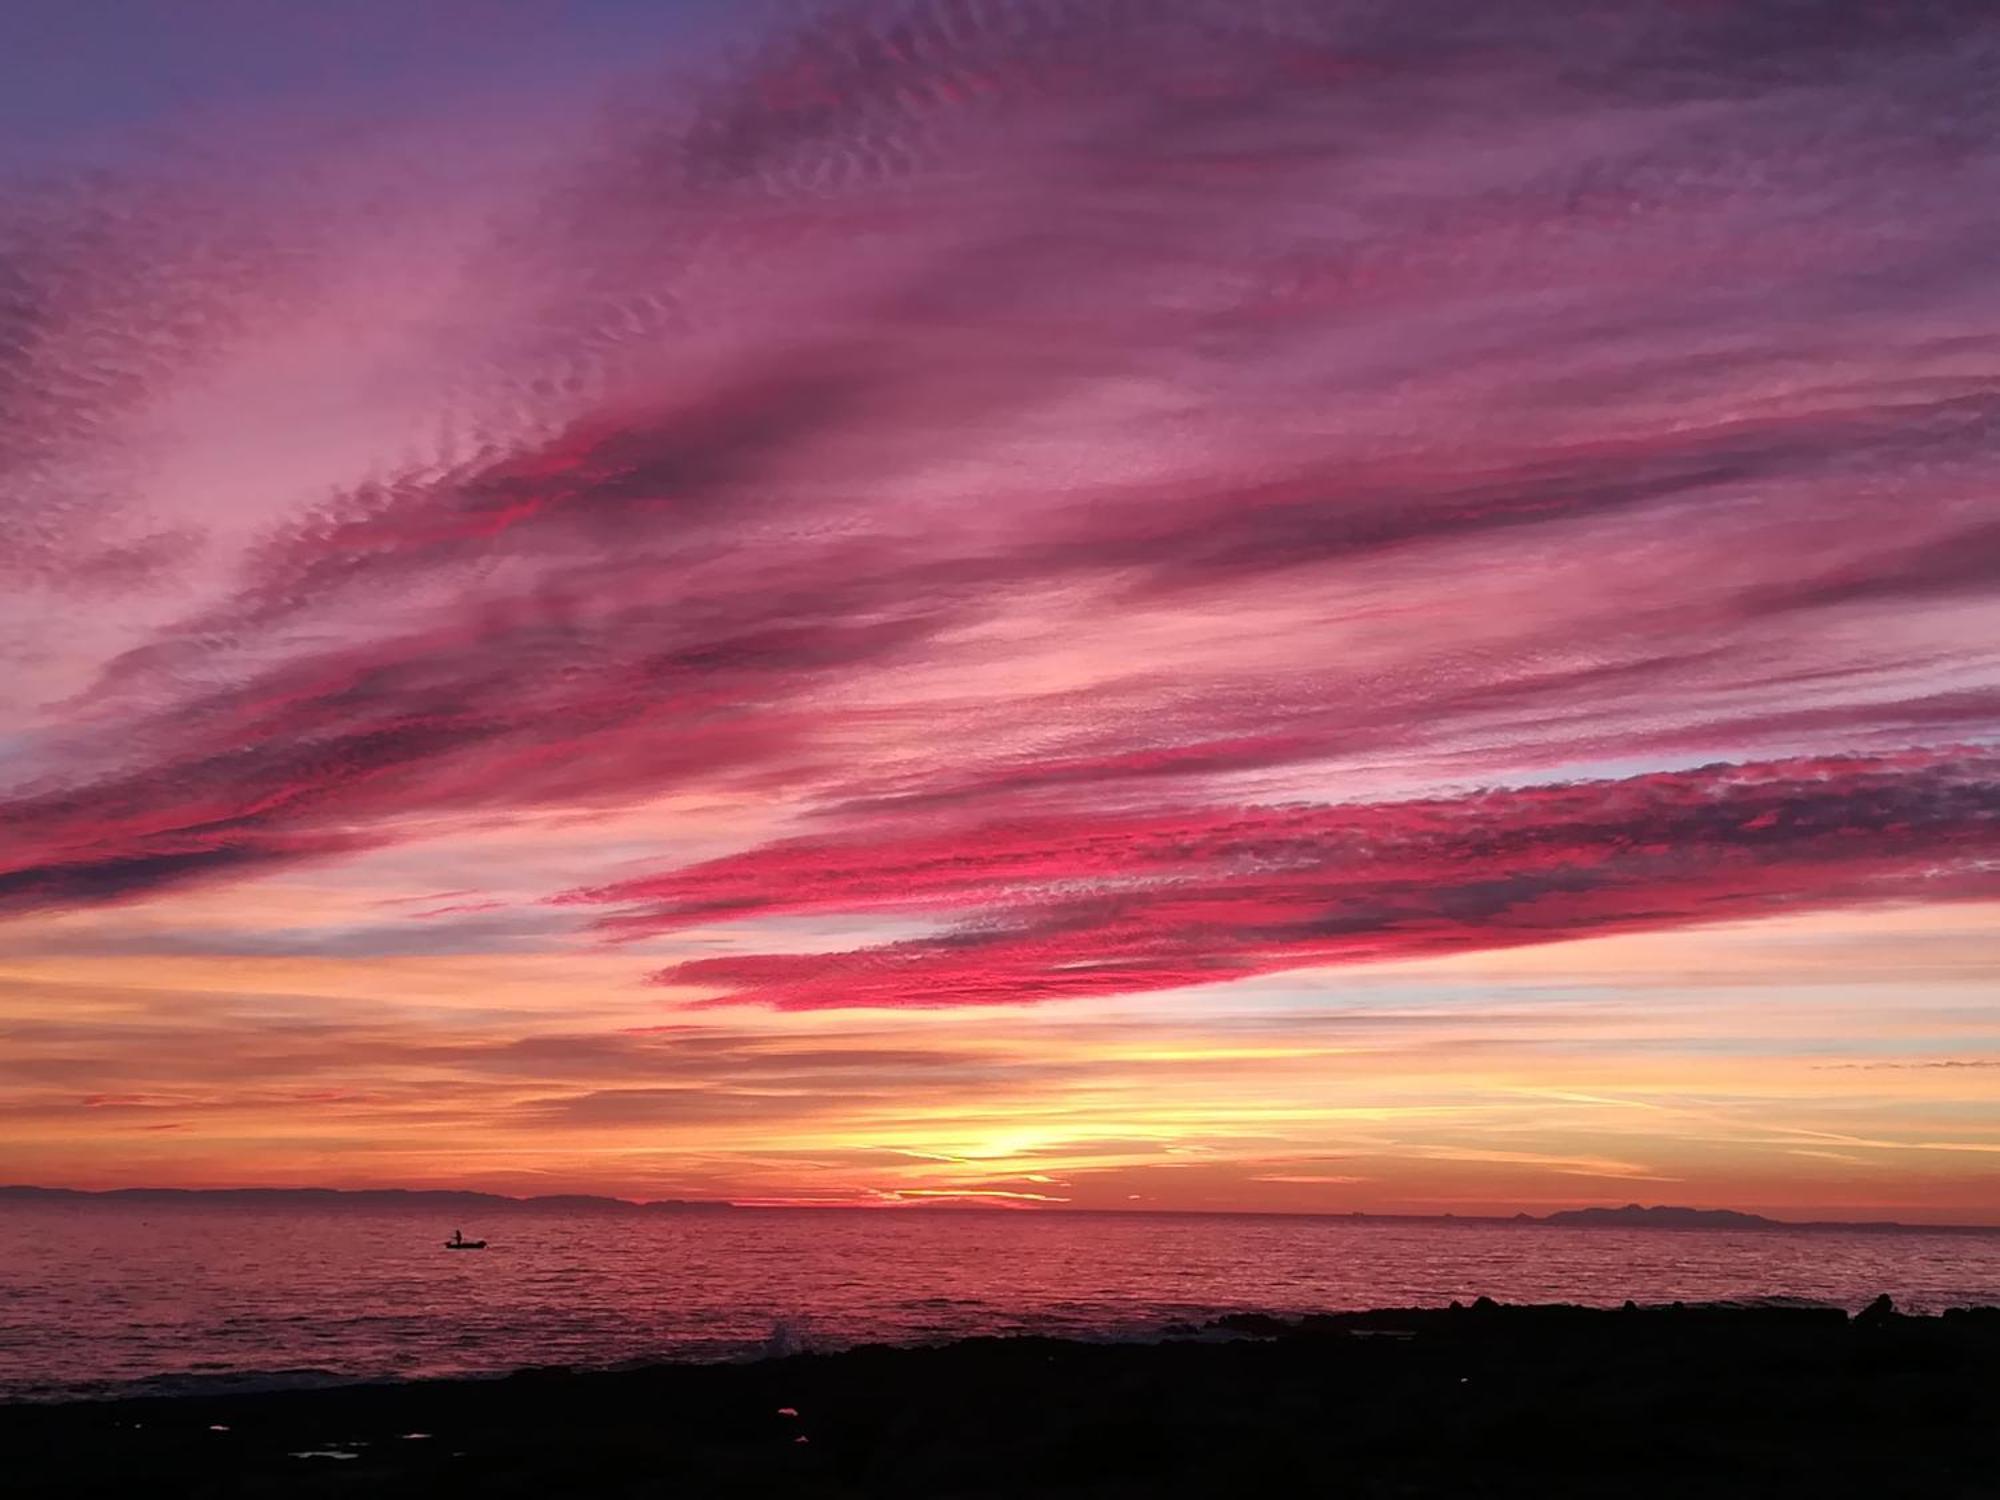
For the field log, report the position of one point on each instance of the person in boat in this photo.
(458, 1237)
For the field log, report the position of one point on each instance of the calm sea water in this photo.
(103, 1298)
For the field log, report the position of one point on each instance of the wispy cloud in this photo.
(1064, 907)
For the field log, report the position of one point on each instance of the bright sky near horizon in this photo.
(1265, 604)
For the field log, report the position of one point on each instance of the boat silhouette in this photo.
(459, 1242)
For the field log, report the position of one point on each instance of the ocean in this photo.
(102, 1298)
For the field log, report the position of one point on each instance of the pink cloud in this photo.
(1043, 419)
(1064, 908)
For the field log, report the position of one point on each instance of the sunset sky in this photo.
(1262, 604)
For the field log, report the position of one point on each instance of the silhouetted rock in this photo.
(1256, 1325)
(1877, 1313)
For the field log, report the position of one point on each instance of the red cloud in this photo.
(1061, 908)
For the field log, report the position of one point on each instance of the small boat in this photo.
(459, 1242)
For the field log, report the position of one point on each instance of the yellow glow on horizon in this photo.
(1528, 1077)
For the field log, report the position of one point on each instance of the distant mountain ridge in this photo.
(1663, 1216)
(372, 1197)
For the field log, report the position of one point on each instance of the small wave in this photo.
(1810, 1303)
(191, 1383)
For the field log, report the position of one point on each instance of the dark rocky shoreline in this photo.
(1484, 1400)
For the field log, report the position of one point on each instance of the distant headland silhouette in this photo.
(1661, 1216)
(437, 1198)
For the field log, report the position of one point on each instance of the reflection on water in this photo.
(94, 1296)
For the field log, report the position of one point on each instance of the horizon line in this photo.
(936, 1205)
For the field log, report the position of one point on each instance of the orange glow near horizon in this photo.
(1616, 1069)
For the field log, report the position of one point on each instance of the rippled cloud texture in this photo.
(1211, 602)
